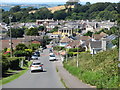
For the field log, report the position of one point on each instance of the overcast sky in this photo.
(41, 1)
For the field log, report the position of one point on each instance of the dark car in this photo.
(37, 53)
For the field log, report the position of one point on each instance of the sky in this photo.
(43, 1)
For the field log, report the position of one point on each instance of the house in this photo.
(84, 41)
(66, 31)
(6, 43)
(64, 41)
(99, 36)
(51, 25)
(35, 42)
(73, 44)
(46, 21)
(95, 46)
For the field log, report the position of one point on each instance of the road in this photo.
(49, 78)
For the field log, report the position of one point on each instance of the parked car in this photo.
(52, 57)
(36, 66)
(51, 53)
(34, 57)
(37, 53)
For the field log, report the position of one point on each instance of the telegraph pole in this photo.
(77, 52)
(10, 17)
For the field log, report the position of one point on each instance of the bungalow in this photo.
(73, 44)
(96, 46)
(64, 41)
(99, 36)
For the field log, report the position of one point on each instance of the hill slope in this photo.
(101, 70)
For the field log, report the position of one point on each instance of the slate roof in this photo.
(83, 38)
(95, 44)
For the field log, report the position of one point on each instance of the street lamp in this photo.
(10, 17)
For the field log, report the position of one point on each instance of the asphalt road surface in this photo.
(49, 78)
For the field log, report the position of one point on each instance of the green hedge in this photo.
(13, 63)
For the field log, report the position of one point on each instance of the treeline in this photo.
(98, 11)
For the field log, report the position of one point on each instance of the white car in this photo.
(36, 66)
(51, 53)
(52, 57)
(34, 57)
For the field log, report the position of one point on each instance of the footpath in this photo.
(70, 80)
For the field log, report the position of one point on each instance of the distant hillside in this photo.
(57, 8)
(53, 9)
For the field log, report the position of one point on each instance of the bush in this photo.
(58, 48)
(5, 64)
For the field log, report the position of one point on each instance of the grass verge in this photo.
(14, 76)
(100, 70)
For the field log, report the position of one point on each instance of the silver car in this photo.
(36, 66)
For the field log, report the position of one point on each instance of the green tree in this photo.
(31, 32)
(59, 15)
(21, 47)
(16, 32)
(15, 9)
(110, 8)
(116, 42)
(89, 33)
(41, 28)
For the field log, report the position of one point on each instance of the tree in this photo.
(59, 15)
(110, 8)
(41, 28)
(16, 32)
(15, 9)
(21, 47)
(116, 42)
(88, 3)
(89, 33)
(31, 32)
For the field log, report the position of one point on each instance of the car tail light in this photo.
(40, 65)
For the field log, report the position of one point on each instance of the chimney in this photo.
(104, 42)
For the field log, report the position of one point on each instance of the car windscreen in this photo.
(37, 53)
(36, 63)
(34, 55)
(52, 55)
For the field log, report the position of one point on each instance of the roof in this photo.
(103, 34)
(97, 36)
(96, 44)
(83, 38)
(111, 37)
(65, 40)
(65, 28)
(5, 43)
(74, 43)
(36, 42)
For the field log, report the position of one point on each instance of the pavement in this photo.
(70, 80)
